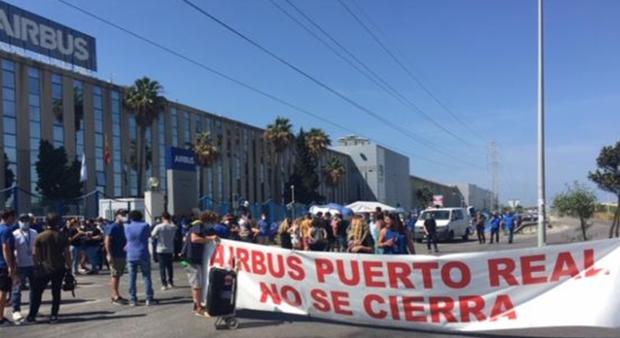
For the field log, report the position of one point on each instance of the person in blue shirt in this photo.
(7, 259)
(389, 238)
(264, 230)
(114, 243)
(222, 230)
(495, 223)
(137, 234)
(510, 221)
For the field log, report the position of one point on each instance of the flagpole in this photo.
(541, 132)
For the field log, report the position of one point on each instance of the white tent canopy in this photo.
(368, 206)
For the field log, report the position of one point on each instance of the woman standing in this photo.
(283, 233)
(389, 236)
(360, 240)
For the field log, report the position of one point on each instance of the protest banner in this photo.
(560, 285)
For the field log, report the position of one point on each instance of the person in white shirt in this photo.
(165, 233)
(24, 248)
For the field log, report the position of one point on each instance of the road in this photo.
(90, 314)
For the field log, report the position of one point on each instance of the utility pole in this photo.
(541, 132)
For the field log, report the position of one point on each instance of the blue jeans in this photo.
(23, 273)
(92, 252)
(145, 266)
(75, 256)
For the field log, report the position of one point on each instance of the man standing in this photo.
(137, 233)
(509, 221)
(115, 242)
(92, 242)
(25, 237)
(495, 222)
(263, 230)
(52, 259)
(7, 261)
(202, 232)
(164, 234)
(430, 228)
(480, 228)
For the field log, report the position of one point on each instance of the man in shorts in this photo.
(202, 232)
(115, 242)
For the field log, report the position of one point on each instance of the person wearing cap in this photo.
(114, 243)
(23, 250)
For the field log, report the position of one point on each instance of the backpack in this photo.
(317, 235)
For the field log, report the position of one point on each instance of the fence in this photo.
(24, 201)
(275, 211)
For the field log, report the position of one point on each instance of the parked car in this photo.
(451, 223)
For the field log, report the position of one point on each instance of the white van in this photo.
(451, 223)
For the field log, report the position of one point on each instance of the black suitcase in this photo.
(221, 295)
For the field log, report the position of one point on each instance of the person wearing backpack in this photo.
(317, 236)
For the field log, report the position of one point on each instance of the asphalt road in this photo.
(90, 313)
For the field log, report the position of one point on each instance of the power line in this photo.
(239, 82)
(385, 85)
(321, 84)
(406, 69)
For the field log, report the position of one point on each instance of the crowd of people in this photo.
(35, 254)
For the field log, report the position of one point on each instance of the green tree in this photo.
(607, 177)
(144, 99)
(577, 201)
(317, 141)
(424, 196)
(280, 136)
(58, 179)
(304, 177)
(334, 172)
(206, 151)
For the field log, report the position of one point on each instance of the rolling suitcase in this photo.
(221, 297)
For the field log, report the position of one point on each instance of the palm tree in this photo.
(144, 100)
(334, 172)
(280, 136)
(317, 141)
(206, 151)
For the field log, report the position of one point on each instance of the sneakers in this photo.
(17, 317)
(133, 303)
(150, 302)
(201, 312)
(53, 319)
(118, 301)
(164, 287)
(31, 320)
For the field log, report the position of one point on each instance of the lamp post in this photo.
(541, 132)
(292, 201)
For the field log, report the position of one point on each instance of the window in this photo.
(9, 132)
(174, 126)
(117, 171)
(78, 106)
(161, 136)
(99, 139)
(133, 161)
(58, 135)
(187, 129)
(34, 119)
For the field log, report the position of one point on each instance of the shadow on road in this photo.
(79, 317)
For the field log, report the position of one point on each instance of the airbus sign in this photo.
(38, 34)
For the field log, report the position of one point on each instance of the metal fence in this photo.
(24, 201)
(275, 211)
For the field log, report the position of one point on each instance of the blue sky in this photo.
(477, 56)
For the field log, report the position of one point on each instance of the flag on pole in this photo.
(83, 170)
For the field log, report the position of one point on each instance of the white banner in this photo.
(560, 285)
